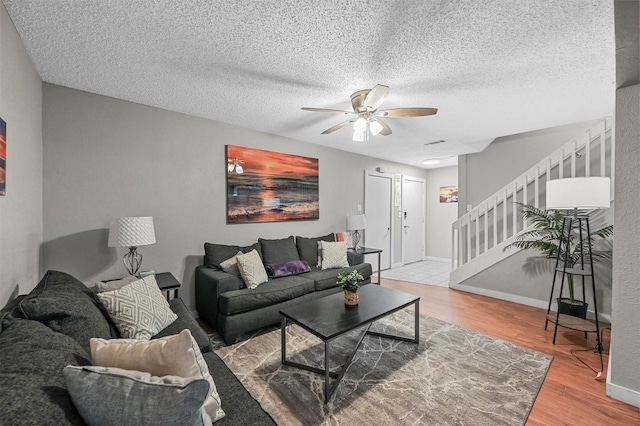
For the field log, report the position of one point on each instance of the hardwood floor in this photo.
(570, 394)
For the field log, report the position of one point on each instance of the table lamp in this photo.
(132, 232)
(355, 223)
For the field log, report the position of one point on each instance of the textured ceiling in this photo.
(491, 67)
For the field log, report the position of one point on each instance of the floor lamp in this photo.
(576, 194)
(132, 232)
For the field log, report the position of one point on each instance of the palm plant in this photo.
(547, 233)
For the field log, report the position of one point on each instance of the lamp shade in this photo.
(579, 193)
(356, 222)
(131, 232)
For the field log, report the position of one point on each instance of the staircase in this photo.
(478, 237)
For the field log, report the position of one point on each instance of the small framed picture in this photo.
(449, 194)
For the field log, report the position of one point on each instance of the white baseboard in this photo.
(618, 392)
(502, 296)
(521, 300)
(397, 265)
(438, 259)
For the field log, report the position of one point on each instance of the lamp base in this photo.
(355, 238)
(132, 261)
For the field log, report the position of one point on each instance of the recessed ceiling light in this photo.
(431, 161)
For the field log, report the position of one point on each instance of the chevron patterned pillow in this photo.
(334, 255)
(252, 269)
(139, 309)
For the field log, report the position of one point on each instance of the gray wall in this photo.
(21, 208)
(482, 174)
(108, 158)
(440, 216)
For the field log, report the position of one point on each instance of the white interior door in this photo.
(413, 219)
(378, 208)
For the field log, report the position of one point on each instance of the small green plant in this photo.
(349, 280)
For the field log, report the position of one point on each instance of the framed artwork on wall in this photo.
(449, 194)
(3, 157)
(267, 186)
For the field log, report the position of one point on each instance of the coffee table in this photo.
(328, 318)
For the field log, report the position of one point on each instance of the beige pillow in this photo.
(176, 355)
(334, 254)
(138, 309)
(230, 265)
(251, 269)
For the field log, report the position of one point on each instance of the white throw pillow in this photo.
(230, 265)
(176, 355)
(334, 255)
(251, 269)
(138, 309)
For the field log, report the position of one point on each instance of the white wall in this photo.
(21, 208)
(108, 158)
(624, 379)
(440, 216)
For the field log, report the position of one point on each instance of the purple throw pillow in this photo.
(285, 269)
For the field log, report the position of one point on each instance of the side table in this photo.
(369, 250)
(168, 283)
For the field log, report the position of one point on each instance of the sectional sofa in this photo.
(227, 305)
(50, 328)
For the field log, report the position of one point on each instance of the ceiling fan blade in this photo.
(376, 96)
(332, 111)
(386, 130)
(337, 127)
(407, 112)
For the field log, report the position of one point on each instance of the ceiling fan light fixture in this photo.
(431, 161)
(360, 125)
(359, 135)
(375, 127)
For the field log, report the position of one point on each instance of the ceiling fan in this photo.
(366, 115)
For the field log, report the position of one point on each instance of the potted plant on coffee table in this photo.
(545, 237)
(350, 282)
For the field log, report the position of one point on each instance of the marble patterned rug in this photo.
(454, 376)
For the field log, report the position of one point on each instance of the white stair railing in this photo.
(495, 222)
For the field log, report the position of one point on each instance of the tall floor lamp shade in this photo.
(132, 232)
(579, 193)
(355, 223)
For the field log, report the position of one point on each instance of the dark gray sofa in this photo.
(49, 328)
(223, 301)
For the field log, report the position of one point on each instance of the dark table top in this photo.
(328, 317)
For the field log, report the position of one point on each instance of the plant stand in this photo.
(584, 271)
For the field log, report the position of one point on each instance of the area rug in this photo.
(454, 376)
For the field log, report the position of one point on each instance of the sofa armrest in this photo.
(185, 321)
(354, 258)
(210, 284)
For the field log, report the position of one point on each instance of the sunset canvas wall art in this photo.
(3, 157)
(267, 186)
(449, 194)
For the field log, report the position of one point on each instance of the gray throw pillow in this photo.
(278, 251)
(215, 254)
(66, 305)
(308, 247)
(109, 396)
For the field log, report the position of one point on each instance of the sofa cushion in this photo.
(215, 254)
(230, 266)
(138, 309)
(278, 251)
(326, 278)
(308, 247)
(274, 291)
(66, 305)
(32, 386)
(176, 355)
(112, 397)
(251, 269)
